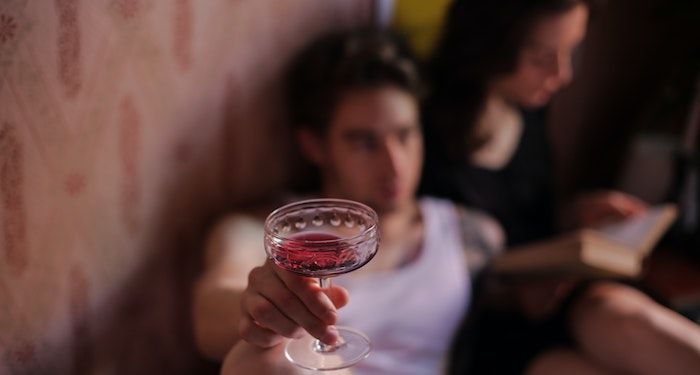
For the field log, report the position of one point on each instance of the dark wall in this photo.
(636, 73)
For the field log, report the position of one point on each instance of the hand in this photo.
(600, 207)
(540, 298)
(278, 304)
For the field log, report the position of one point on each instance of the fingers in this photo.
(625, 204)
(618, 206)
(310, 294)
(262, 312)
(280, 309)
(279, 303)
(597, 208)
(257, 335)
(540, 298)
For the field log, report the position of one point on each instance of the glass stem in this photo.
(324, 282)
(319, 346)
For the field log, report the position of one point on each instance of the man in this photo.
(355, 101)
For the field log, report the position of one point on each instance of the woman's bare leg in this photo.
(563, 361)
(624, 330)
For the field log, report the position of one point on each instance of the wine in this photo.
(318, 255)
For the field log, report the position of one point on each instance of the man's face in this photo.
(544, 63)
(373, 150)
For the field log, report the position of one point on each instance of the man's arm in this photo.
(233, 248)
(235, 299)
(482, 238)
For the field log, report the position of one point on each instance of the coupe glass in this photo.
(323, 238)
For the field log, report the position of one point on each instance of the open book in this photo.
(616, 249)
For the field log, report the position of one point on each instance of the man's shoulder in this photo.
(481, 235)
(237, 236)
(240, 218)
(251, 215)
(237, 223)
(467, 215)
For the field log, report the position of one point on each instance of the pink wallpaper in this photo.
(126, 126)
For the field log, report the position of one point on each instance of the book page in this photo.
(641, 232)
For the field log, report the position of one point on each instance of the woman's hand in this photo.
(278, 304)
(538, 299)
(600, 207)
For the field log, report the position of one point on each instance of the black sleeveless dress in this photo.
(519, 196)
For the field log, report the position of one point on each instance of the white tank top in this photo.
(411, 314)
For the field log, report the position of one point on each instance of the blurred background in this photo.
(128, 126)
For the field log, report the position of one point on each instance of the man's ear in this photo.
(312, 146)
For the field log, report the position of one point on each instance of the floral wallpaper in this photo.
(126, 127)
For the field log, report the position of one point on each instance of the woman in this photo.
(499, 63)
(498, 66)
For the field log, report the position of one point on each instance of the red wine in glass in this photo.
(323, 238)
(318, 254)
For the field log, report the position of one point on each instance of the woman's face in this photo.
(544, 62)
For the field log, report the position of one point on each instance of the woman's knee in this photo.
(562, 361)
(611, 308)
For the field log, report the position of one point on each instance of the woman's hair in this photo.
(481, 41)
(337, 63)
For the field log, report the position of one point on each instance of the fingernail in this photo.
(331, 335)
